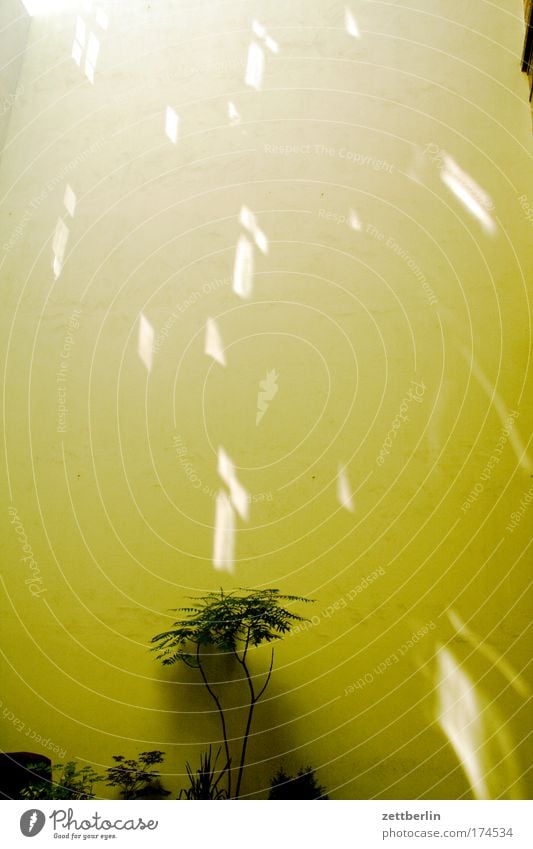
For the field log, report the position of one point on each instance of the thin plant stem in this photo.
(253, 701)
(265, 685)
(247, 730)
(221, 714)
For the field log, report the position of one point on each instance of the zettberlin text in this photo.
(407, 815)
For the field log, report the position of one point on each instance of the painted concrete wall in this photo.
(386, 156)
(14, 30)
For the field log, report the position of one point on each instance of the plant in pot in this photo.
(231, 623)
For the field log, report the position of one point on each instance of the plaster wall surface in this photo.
(14, 30)
(385, 152)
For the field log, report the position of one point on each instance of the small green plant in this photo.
(72, 783)
(232, 623)
(135, 778)
(303, 785)
(204, 784)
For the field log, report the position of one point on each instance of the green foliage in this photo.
(134, 778)
(303, 785)
(227, 621)
(231, 623)
(73, 783)
(204, 784)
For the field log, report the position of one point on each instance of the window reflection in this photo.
(171, 124)
(344, 490)
(146, 342)
(213, 342)
(224, 536)
(59, 246)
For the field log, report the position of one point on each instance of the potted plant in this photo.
(231, 623)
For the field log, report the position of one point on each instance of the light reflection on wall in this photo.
(69, 200)
(226, 505)
(255, 66)
(344, 490)
(238, 494)
(249, 222)
(351, 25)
(80, 37)
(233, 114)
(243, 269)
(59, 246)
(501, 408)
(255, 63)
(468, 192)
(260, 31)
(85, 41)
(93, 49)
(213, 342)
(353, 221)
(102, 18)
(476, 731)
(498, 660)
(224, 538)
(62, 232)
(171, 124)
(42, 8)
(146, 342)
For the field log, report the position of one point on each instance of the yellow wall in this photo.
(14, 29)
(119, 529)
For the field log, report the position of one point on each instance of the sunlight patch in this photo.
(146, 342)
(213, 342)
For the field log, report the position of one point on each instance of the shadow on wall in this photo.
(196, 718)
(220, 636)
